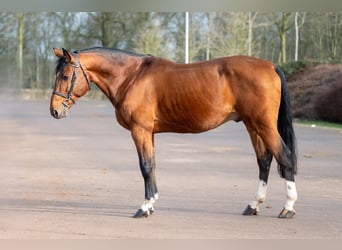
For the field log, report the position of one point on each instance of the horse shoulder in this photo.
(138, 105)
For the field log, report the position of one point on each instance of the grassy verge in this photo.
(319, 123)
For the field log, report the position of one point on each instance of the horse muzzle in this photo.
(61, 113)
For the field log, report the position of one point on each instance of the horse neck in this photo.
(112, 75)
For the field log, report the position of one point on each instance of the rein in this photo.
(68, 96)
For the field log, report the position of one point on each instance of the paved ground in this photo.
(79, 178)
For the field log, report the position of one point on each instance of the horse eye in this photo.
(65, 78)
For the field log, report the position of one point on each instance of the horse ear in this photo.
(58, 52)
(68, 56)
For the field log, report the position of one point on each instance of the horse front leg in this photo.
(144, 141)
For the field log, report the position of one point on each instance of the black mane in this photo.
(107, 51)
(111, 51)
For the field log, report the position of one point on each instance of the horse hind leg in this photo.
(286, 169)
(264, 159)
(264, 164)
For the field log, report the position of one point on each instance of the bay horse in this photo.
(153, 95)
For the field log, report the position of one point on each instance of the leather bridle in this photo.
(68, 96)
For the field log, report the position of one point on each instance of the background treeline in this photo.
(27, 39)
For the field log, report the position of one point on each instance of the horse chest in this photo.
(123, 118)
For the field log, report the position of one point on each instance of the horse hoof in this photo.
(286, 214)
(250, 211)
(141, 214)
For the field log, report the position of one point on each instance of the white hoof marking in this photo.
(260, 195)
(147, 206)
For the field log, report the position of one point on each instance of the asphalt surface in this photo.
(79, 178)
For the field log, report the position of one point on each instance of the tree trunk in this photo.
(20, 37)
(37, 62)
(283, 27)
(283, 47)
(297, 26)
(296, 37)
(251, 19)
(106, 38)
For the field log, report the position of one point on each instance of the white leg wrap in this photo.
(291, 195)
(147, 206)
(260, 195)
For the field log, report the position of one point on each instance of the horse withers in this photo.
(153, 95)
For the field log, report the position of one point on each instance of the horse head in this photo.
(69, 85)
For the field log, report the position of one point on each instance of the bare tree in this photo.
(20, 45)
(283, 25)
(230, 34)
(333, 40)
(299, 21)
(8, 49)
(113, 29)
(251, 19)
(152, 36)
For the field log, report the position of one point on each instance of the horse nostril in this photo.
(55, 114)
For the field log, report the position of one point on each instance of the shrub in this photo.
(328, 104)
(291, 68)
(316, 92)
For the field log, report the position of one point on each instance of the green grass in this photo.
(319, 124)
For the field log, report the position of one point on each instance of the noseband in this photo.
(68, 96)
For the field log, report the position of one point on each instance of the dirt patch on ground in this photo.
(316, 92)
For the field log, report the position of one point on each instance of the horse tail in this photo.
(285, 126)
